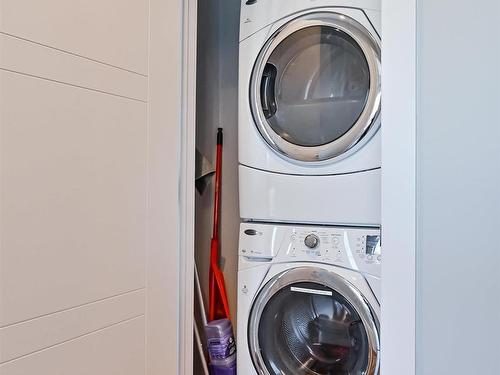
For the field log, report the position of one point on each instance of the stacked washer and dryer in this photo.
(309, 185)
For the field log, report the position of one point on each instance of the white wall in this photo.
(89, 186)
(458, 187)
(441, 183)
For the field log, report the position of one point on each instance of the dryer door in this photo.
(315, 90)
(310, 321)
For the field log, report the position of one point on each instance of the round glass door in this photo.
(307, 327)
(315, 88)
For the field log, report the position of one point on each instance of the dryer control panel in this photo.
(350, 247)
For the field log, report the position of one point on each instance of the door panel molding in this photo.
(398, 186)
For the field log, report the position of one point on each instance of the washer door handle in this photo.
(267, 90)
(260, 259)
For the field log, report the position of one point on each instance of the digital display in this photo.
(373, 245)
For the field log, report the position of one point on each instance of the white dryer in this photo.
(308, 300)
(309, 111)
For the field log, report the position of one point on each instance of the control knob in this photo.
(311, 241)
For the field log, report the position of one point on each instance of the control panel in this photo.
(350, 247)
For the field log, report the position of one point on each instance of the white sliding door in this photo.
(90, 135)
(458, 188)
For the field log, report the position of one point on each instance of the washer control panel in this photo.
(350, 247)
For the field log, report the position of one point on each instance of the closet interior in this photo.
(216, 107)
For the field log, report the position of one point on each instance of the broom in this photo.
(218, 304)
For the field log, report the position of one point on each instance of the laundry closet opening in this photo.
(217, 107)
(294, 91)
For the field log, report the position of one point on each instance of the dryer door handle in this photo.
(267, 90)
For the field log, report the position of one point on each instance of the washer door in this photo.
(315, 89)
(310, 321)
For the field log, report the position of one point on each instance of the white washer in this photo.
(308, 300)
(309, 106)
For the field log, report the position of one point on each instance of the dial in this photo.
(311, 241)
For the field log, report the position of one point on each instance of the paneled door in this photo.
(90, 98)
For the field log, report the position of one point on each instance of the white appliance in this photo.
(309, 106)
(308, 300)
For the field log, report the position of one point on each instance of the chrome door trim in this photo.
(322, 277)
(368, 122)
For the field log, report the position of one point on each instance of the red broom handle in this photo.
(218, 182)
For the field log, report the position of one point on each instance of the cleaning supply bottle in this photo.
(221, 347)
